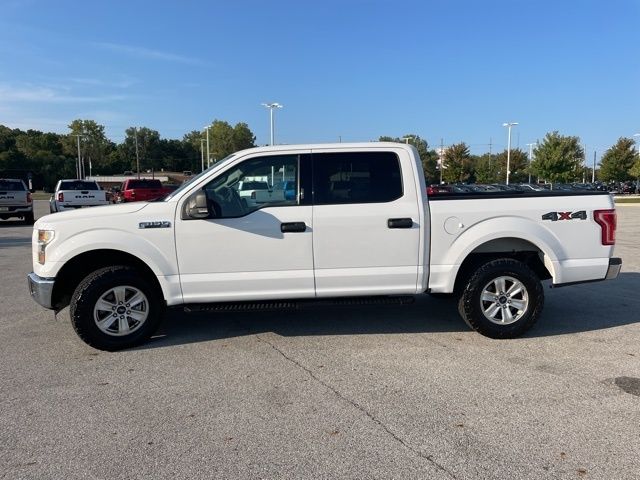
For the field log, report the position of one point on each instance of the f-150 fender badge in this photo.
(158, 224)
(556, 216)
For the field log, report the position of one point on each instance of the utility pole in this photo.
(593, 172)
(441, 158)
(531, 145)
(584, 166)
(135, 130)
(489, 153)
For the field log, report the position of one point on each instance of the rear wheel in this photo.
(115, 308)
(28, 219)
(502, 299)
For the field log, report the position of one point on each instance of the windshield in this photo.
(196, 178)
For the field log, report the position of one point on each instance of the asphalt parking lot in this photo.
(333, 392)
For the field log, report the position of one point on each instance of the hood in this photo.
(102, 211)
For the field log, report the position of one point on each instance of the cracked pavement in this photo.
(380, 391)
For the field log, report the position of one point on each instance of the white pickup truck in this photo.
(359, 225)
(15, 200)
(72, 194)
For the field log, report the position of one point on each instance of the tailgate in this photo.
(13, 199)
(81, 198)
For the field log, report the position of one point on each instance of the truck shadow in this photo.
(568, 310)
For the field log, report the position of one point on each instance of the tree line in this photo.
(557, 158)
(51, 156)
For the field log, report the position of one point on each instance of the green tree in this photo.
(149, 148)
(458, 165)
(558, 158)
(95, 147)
(617, 161)
(243, 137)
(634, 171)
(486, 169)
(518, 165)
(225, 139)
(428, 156)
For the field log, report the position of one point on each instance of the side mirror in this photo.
(196, 207)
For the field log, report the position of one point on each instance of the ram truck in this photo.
(141, 190)
(15, 200)
(73, 194)
(359, 225)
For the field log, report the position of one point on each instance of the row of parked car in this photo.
(629, 187)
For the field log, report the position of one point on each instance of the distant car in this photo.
(436, 189)
(288, 188)
(128, 173)
(531, 187)
(254, 191)
(141, 190)
(15, 200)
(187, 173)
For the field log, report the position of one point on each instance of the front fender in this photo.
(157, 251)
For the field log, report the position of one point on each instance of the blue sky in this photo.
(353, 69)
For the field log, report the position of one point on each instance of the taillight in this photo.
(253, 195)
(607, 220)
(29, 197)
(61, 197)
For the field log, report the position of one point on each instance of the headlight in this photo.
(44, 238)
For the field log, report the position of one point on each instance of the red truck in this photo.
(141, 190)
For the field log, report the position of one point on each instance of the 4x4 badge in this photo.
(555, 216)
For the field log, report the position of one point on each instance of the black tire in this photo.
(94, 287)
(472, 308)
(28, 219)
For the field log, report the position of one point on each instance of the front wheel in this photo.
(115, 308)
(502, 299)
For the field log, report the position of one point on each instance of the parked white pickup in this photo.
(72, 194)
(356, 223)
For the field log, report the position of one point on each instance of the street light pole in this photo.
(79, 163)
(207, 127)
(531, 145)
(271, 106)
(509, 125)
(202, 153)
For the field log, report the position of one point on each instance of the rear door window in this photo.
(358, 177)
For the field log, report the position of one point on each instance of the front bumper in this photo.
(41, 289)
(615, 264)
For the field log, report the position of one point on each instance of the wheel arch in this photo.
(78, 267)
(516, 248)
